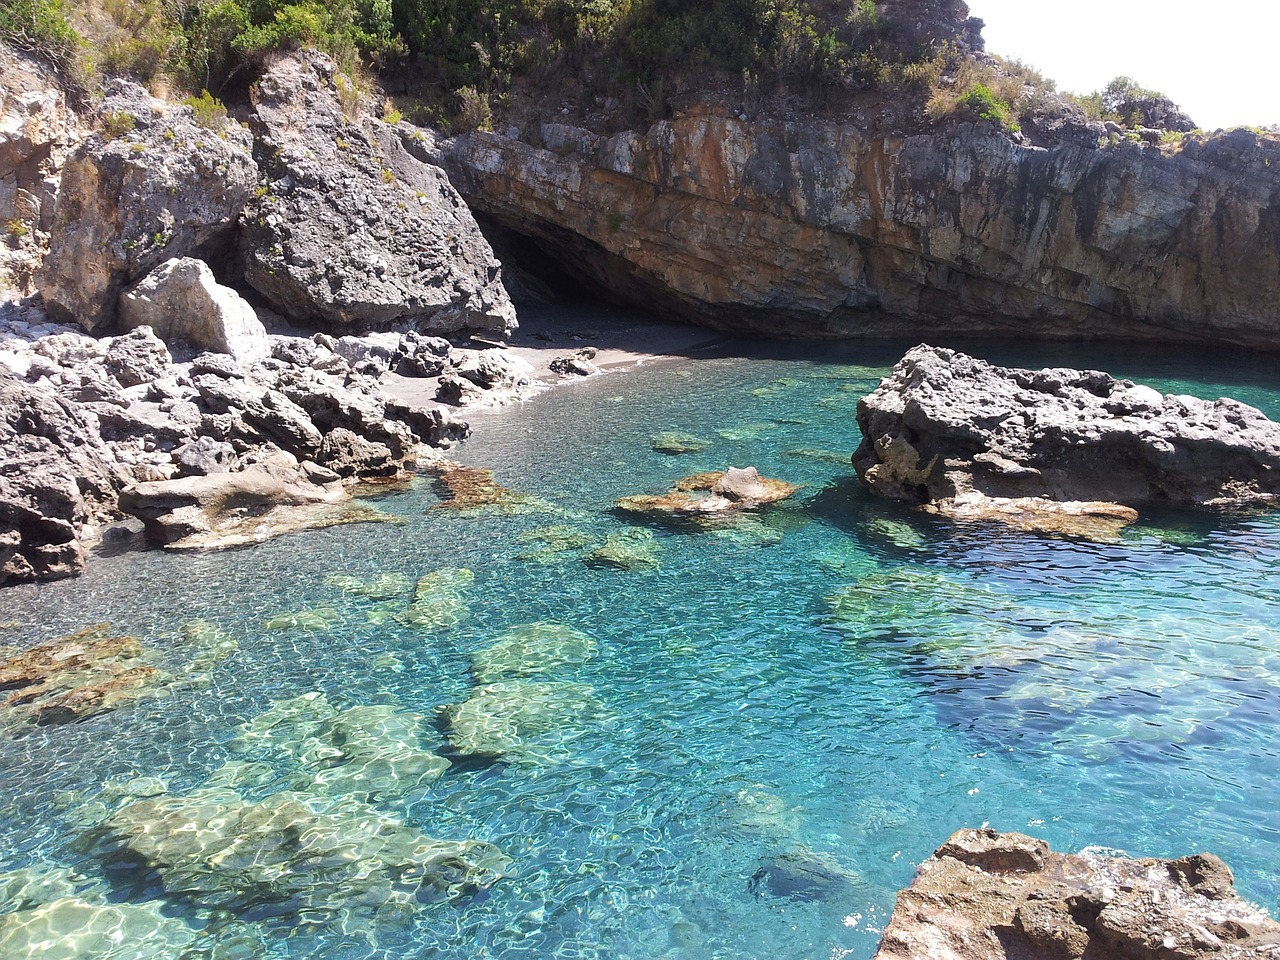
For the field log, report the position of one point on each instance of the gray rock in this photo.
(218, 364)
(945, 428)
(57, 477)
(382, 350)
(578, 365)
(202, 456)
(349, 455)
(223, 509)
(502, 376)
(154, 185)
(38, 131)
(137, 358)
(181, 301)
(354, 231)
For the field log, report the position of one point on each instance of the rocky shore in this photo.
(225, 328)
(990, 896)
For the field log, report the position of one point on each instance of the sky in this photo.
(1217, 59)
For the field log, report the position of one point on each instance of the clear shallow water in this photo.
(841, 683)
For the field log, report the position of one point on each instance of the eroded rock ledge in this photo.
(990, 896)
(974, 440)
(802, 227)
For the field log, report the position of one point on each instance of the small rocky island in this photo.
(1057, 448)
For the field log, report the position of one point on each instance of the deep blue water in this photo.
(840, 683)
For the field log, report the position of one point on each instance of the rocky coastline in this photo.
(225, 329)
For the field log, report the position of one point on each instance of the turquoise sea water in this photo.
(766, 728)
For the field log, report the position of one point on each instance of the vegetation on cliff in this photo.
(457, 64)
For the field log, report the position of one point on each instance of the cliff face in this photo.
(816, 229)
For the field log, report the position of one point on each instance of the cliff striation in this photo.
(803, 227)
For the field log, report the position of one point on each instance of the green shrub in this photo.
(39, 27)
(207, 111)
(982, 103)
(141, 39)
(117, 125)
(473, 111)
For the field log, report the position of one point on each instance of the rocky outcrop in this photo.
(37, 130)
(353, 231)
(181, 301)
(222, 509)
(990, 896)
(57, 478)
(805, 227)
(972, 439)
(150, 185)
(208, 452)
(710, 495)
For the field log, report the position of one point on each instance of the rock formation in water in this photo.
(799, 226)
(973, 440)
(990, 896)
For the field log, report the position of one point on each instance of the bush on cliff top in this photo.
(39, 27)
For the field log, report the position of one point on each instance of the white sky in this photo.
(1217, 59)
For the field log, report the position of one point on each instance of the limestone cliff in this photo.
(810, 228)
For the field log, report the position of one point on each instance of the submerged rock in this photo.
(523, 720)
(558, 542)
(674, 442)
(382, 587)
(318, 618)
(218, 850)
(370, 751)
(76, 677)
(711, 494)
(475, 491)
(72, 928)
(636, 549)
(990, 896)
(1055, 449)
(440, 599)
(805, 875)
(532, 649)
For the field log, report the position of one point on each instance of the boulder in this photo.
(576, 365)
(137, 357)
(57, 478)
(181, 301)
(990, 896)
(970, 439)
(353, 231)
(263, 500)
(151, 185)
(485, 377)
